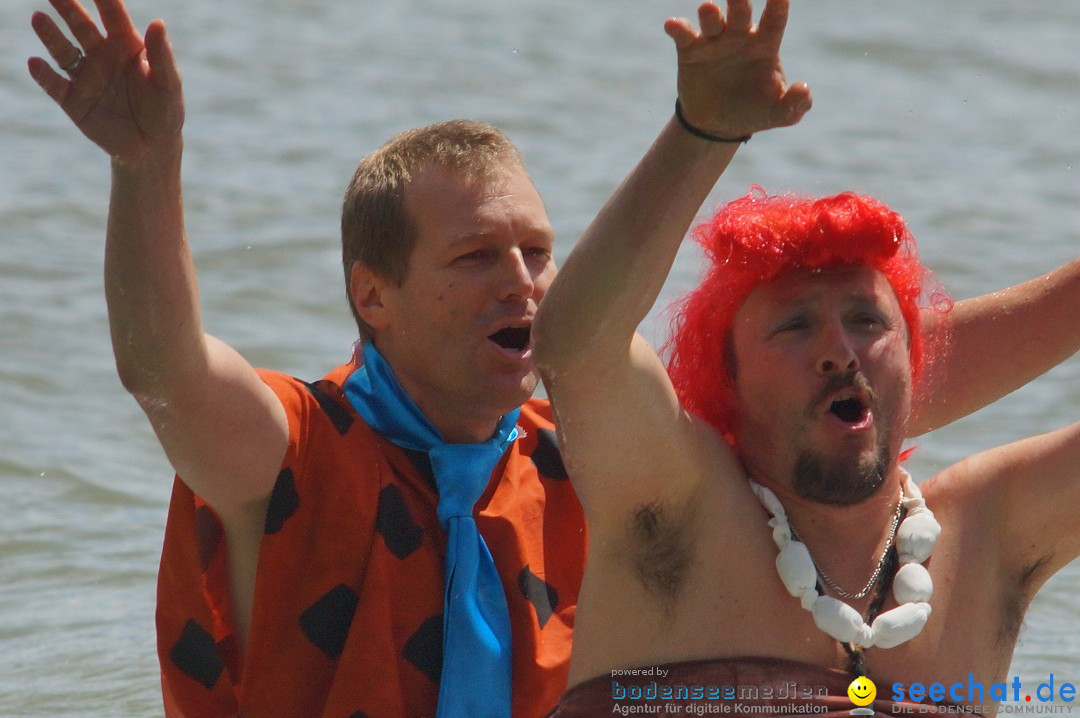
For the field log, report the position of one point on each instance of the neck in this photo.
(862, 626)
(456, 426)
(457, 420)
(846, 541)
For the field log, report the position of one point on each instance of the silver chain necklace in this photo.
(880, 564)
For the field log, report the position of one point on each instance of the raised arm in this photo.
(1018, 502)
(621, 422)
(223, 429)
(998, 343)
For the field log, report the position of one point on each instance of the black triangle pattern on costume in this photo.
(547, 457)
(326, 623)
(395, 524)
(195, 654)
(284, 501)
(541, 594)
(359, 714)
(336, 411)
(208, 535)
(425, 648)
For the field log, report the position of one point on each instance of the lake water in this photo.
(962, 116)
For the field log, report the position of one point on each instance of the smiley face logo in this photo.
(862, 691)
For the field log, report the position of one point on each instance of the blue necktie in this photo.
(476, 622)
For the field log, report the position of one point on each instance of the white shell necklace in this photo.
(872, 581)
(915, 539)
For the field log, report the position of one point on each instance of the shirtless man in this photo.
(796, 366)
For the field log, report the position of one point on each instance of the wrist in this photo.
(154, 157)
(698, 132)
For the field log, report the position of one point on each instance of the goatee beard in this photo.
(841, 484)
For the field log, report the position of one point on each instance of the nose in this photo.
(837, 351)
(518, 280)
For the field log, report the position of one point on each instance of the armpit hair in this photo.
(1016, 604)
(660, 548)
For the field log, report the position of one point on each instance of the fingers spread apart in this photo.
(79, 22)
(710, 20)
(740, 20)
(740, 16)
(62, 51)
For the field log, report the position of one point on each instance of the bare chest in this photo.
(734, 604)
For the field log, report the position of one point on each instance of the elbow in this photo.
(153, 392)
(137, 379)
(135, 366)
(556, 340)
(133, 377)
(158, 365)
(153, 383)
(544, 337)
(567, 338)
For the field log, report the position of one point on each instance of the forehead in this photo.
(839, 286)
(448, 206)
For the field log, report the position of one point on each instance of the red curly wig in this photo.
(758, 238)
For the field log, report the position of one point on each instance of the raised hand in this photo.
(121, 90)
(731, 82)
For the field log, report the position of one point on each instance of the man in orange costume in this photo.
(302, 573)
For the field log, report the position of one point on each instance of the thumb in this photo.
(681, 31)
(792, 105)
(163, 70)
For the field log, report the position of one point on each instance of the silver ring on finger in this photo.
(74, 64)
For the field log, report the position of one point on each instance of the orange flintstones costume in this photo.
(347, 615)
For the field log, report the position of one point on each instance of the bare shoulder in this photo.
(225, 435)
(1019, 500)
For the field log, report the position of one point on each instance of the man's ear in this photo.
(366, 291)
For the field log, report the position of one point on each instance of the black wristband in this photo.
(702, 133)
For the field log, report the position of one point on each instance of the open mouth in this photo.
(512, 338)
(849, 409)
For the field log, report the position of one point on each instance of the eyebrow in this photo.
(546, 233)
(859, 299)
